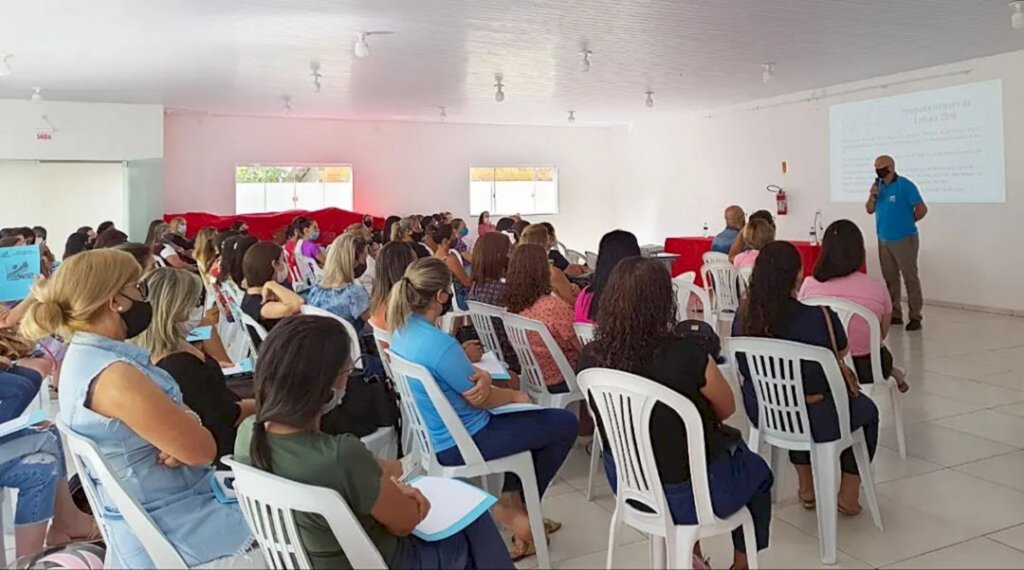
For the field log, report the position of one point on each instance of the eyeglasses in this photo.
(142, 288)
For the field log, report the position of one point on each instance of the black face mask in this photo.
(360, 270)
(137, 318)
(882, 172)
(447, 307)
(418, 236)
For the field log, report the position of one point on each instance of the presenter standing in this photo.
(897, 206)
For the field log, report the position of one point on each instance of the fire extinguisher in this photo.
(781, 206)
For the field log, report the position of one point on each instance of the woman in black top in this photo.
(266, 299)
(772, 310)
(634, 334)
(176, 297)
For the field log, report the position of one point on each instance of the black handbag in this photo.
(704, 335)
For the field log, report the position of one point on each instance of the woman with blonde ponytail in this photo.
(416, 302)
(112, 394)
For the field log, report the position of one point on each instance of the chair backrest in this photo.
(574, 257)
(689, 276)
(712, 256)
(269, 504)
(382, 338)
(159, 262)
(251, 323)
(743, 275)
(591, 260)
(355, 349)
(846, 310)
(775, 368)
(89, 463)
(518, 330)
(405, 373)
(483, 316)
(584, 332)
(685, 290)
(721, 284)
(624, 403)
(560, 247)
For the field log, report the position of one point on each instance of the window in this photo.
(527, 190)
(260, 189)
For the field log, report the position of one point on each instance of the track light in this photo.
(586, 60)
(444, 113)
(1017, 19)
(315, 73)
(287, 105)
(499, 95)
(5, 65)
(650, 99)
(572, 117)
(37, 96)
(767, 73)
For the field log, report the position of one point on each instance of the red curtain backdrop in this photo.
(332, 222)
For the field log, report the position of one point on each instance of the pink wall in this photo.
(397, 167)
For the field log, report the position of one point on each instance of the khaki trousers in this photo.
(900, 257)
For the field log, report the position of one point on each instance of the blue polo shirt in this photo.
(894, 210)
(424, 344)
(723, 241)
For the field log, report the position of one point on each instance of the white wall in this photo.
(680, 173)
(85, 131)
(398, 168)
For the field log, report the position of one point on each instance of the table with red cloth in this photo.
(332, 222)
(691, 249)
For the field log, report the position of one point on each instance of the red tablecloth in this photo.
(690, 250)
(332, 221)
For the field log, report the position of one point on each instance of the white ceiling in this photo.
(241, 57)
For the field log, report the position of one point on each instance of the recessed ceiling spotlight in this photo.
(650, 99)
(5, 65)
(572, 117)
(586, 60)
(37, 96)
(314, 68)
(1017, 19)
(444, 113)
(499, 95)
(287, 105)
(362, 49)
(767, 72)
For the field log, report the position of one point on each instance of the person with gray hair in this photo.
(735, 219)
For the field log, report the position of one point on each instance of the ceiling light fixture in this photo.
(5, 65)
(37, 96)
(362, 49)
(287, 105)
(586, 60)
(650, 99)
(1017, 19)
(444, 113)
(499, 95)
(314, 68)
(767, 73)
(572, 117)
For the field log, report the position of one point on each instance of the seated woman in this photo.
(442, 236)
(484, 225)
(487, 285)
(301, 238)
(461, 231)
(407, 230)
(529, 295)
(110, 237)
(771, 310)
(339, 292)
(615, 246)
(132, 410)
(205, 252)
(76, 243)
(638, 315)
(392, 261)
(837, 274)
(165, 248)
(177, 235)
(305, 367)
(738, 244)
(416, 302)
(537, 234)
(755, 235)
(232, 255)
(175, 294)
(389, 223)
(266, 299)
(559, 260)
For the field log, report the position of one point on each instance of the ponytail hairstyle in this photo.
(298, 225)
(414, 292)
(771, 287)
(77, 294)
(232, 257)
(300, 363)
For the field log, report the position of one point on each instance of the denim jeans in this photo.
(478, 546)
(548, 434)
(18, 387)
(34, 465)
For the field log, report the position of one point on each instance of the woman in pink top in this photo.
(755, 235)
(529, 295)
(484, 224)
(614, 247)
(837, 274)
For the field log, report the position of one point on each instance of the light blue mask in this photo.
(464, 232)
(315, 235)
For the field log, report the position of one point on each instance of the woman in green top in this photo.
(302, 372)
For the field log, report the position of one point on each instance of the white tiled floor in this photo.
(957, 501)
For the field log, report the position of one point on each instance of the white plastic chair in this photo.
(382, 443)
(483, 316)
(775, 369)
(689, 276)
(846, 310)
(356, 350)
(474, 465)
(624, 404)
(269, 504)
(743, 275)
(685, 289)
(382, 338)
(720, 282)
(449, 319)
(574, 257)
(89, 463)
(591, 258)
(714, 256)
(518, 329)
(251, 323)
(585, 332)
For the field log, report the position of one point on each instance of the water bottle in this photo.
(705, 229)
(814, 234)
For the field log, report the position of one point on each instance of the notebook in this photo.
(493, 366)
(200, 334)
(454, 505)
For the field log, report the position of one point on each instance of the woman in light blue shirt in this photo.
(133, 411)
(339, 292)
(415, 304)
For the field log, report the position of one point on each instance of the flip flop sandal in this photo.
(521, 550)
(847, 512)
(551, 527)
(809, 503)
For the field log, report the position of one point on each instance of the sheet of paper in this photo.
(492, 365)
(243, 367)
(19, 267)
(454, 505)
(200, 334)
(223, 485)
(22, 422)
(513, 408)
